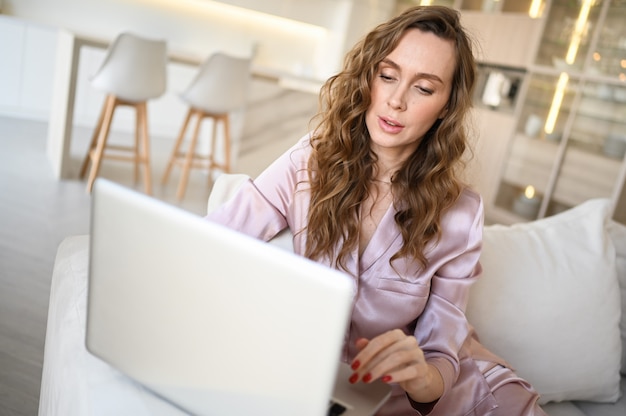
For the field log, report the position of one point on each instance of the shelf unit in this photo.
(569, 142)
(506, 6)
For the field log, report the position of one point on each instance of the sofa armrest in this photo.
(74, 382)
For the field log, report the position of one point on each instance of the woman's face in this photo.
(409, 92)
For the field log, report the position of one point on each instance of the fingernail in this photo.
(386, 379)
(353, 378)
(355, 365)
(367, 378)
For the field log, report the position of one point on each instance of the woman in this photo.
(374, 191)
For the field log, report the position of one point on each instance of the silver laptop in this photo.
(213, 321)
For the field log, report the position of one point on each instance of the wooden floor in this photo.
(37, 212)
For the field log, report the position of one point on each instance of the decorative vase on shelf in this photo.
(527, 203)
(615, 146)
(533, 125)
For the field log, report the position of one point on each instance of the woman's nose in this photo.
(397, 100)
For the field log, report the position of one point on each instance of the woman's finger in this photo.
(385, 354)
(370, 348)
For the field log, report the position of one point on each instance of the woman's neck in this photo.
(384, 173)
(386, 167)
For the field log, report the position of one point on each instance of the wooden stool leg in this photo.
(182, 185)
(136, 151)
(225, 165)
(213, 149)
(226, 121)
(97, 153)
(142, 113)
(175, 152)
(94, 140)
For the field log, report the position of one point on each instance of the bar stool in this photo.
(133, 72)
(220, 86)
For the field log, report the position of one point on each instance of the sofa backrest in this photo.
(551, 300)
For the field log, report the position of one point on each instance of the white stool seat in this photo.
(133, 71)
(220, 87)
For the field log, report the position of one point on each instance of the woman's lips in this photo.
(390, 125)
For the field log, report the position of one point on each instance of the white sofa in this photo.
(550, 301)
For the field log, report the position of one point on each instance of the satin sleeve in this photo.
(263, 207)
(443, 329)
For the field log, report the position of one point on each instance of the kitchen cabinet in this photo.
(569, 143)
(488, 20)
(24, 82)
(494, 46)
(514, 6)
(507, 6)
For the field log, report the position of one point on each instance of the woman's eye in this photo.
(423, 90)
(385, 77)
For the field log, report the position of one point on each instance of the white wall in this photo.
(195, 27)
(202, 26)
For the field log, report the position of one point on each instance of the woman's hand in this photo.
(397, 357)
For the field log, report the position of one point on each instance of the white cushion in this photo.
(618, 234)
(549, 303)
(225, 187)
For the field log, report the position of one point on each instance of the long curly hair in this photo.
(341, 166)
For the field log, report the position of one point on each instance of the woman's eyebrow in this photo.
(426, 75)
(390, 63)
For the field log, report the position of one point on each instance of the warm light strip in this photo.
(579, 29)
(246, 16)
(426, 2)
(557, 100)
(535, 9)
(263, 18)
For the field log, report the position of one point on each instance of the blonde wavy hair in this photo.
(341, 166)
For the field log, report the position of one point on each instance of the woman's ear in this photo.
(443, 113)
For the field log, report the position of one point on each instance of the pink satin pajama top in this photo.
(428, 303)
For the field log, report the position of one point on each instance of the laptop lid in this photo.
(212, 320)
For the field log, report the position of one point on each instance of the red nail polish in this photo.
(355, 365)
(367, 378)
(353, 378)
(386, 379)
